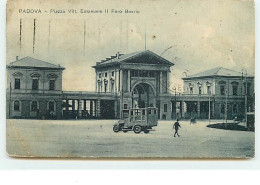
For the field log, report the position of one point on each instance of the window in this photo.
(112, 87)
(51, 106)
(99, 87)
(105, 87)
(105, 74)
(34, 106)
(191, 90)
(143, 112)
(113, 73)
(165, 107)
(17, 83)
(235, 108)
(199, 90)
(35, 84)
(52, 84)
(222, 90)
(16, 105)
(222, 108)
(234, 90)
(99, 75)
(125, 106)
(208, 90)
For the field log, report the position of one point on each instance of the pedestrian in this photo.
(176, 127)
(193, 120)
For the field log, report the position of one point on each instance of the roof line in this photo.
(36, 59)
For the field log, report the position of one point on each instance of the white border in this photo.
(22, 164)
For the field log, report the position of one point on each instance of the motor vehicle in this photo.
(137, 120)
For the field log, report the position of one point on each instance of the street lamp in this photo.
(244, 72)
(208, 84)
(175, 102)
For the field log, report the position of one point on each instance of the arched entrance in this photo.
(143, 96)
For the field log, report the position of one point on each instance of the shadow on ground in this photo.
(228, 126)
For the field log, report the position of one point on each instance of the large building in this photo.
(139, 80)
(34, 89)
(126, 81)
(218, 93)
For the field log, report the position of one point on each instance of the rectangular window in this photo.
(235, 108)
(125, 106)
(99, 75)
(113, 73)
(208, 90)
(222, 90)
(35, 84)
(234, 90)
(52, 84)
(105, 87)
(222, 108)
(248, 89)
(105, 74)
(17, 83)
(165, 107)
(51, 106)
(16, 105)
(199, 90)
(191, 90)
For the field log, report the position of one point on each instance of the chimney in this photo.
(117, 55)
(17, 57)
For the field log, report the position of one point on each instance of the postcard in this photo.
(130, 79)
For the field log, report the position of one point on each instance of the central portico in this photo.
(138, 79)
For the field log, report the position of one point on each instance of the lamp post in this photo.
(226, 105)
(10, 109)
(175, 102)
(199, 94)
(209, 93)
(244, 71)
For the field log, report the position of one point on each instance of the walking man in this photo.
(176, 127)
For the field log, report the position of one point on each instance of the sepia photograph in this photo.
(151, 79)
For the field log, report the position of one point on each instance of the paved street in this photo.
(95, 138)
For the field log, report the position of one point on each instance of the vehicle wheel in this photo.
(116, 128)
(146, 131)
(137, 129)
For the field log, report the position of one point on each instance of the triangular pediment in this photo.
(143, 57)
(147, 57)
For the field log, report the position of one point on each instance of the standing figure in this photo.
(176, 127)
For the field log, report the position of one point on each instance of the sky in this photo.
(200, 35)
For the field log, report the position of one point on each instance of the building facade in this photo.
(125, 81)
(138, 80)
(34, 89)
(218, 93)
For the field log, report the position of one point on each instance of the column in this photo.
(91, 107)
(67, 105)
(121, 81)
(168, 81)
(198, 109)
(98, 108)
(115, 108)
(79, 106)
(213, 109)
(129, 80)
(160, 81)
(182, 109)
(73, 108)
